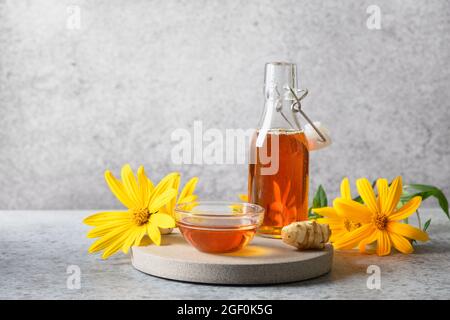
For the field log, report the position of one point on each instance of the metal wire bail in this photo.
(296, 107)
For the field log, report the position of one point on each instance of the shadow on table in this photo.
(345, 264)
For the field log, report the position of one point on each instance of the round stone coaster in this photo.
(263, 261)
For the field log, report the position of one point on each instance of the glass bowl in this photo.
(218, 226)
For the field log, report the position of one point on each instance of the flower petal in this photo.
(162, 200)
(394, 193)
(330, 221)
(170, 207)
(286, 192)
(143, 186)
(345, 189)
(352, 210)
(243, 197)
(117, 244)
(383, 243)
(383, 188)
(277, 207)
(105, 228)
(106, 217)
(336, 226)
(328, 212)
(291, 202)
(336, 235)
(188, 188)
(400, 243)
(143, 232)
(408, 209)
(188, 199)
(154, 234)
(101, 244)
(109, 238)
(162, 220)
(407, 231)
(353, 238)
(131, 239)
(118, 190)
(371, 238)
(130, 184)
(366, 192)
(276, 192)
(163, 185)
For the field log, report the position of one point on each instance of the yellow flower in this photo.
(380, 218)
(187, 194)
(339, 225)
(243, 197)
(237, 208)
(146, 212)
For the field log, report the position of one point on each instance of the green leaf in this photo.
(320, 198)
(426, 191)
(319, 201)
(426, 225)
(358, 199)
(313, 215)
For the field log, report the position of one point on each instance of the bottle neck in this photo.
(278, 114)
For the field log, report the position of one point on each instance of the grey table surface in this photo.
(37, 249)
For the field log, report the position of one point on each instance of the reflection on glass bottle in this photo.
(279, 166)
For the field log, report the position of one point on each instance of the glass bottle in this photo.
(279, 158)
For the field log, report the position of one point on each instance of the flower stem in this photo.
(418, 219)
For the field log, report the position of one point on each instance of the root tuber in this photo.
(306, 235)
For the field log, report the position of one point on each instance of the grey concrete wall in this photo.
(74, 102)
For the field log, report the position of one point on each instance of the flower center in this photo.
(350, 226)
(380, 221)
(140, 216)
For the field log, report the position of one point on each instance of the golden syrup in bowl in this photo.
(218, 227)
(217, 239)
